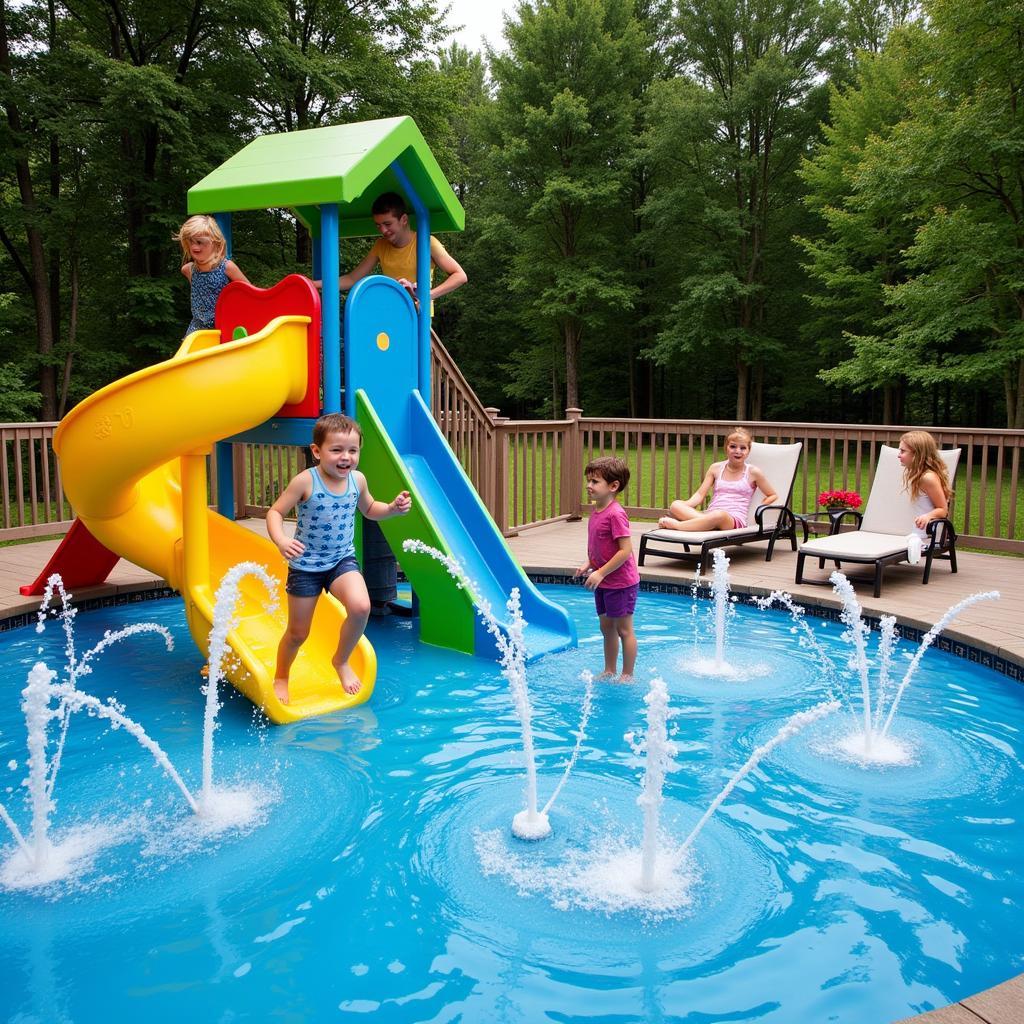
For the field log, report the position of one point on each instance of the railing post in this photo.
(489, 462)
(572, 467)
(501, 476)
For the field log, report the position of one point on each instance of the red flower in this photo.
(841, 499)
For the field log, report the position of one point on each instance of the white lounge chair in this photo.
(778, 462)
(882, 535)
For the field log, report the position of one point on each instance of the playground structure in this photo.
(133, 455)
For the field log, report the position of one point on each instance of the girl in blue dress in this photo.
(203, 262)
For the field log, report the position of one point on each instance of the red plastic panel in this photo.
(81, 560)
(244, 305)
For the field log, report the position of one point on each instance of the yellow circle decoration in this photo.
(383, 341)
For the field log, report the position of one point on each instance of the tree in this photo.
(315, 64)
(727, 137)
(560, 135)
(857, 254)
(956, 164)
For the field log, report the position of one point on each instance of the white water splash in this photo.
(530, 823)
(927, 641)
(870, 742)
(225, 621)
(791, 727)
(659, 753)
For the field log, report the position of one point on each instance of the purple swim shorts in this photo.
(617, 602)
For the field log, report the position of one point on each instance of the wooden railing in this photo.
(34, 501)
(530, 472)
(468, 427)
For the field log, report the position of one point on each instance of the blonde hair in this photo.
(742, 433)
(924, 458)
(201, 224)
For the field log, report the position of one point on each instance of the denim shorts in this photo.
(616, 602)
(304, 583)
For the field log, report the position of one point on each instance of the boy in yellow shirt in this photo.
(395, 251)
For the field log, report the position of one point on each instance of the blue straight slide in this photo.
(404, 448)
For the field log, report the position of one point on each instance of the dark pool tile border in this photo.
(959, 649)
(91, 604)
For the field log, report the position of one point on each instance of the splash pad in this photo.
(368, 883)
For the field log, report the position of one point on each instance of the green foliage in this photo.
(17, 400)
(809, 210)
(724, 141)
(559, 134)
(921, 186)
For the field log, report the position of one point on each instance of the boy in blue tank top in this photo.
(322, 555)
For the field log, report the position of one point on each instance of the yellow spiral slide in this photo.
(133, 464)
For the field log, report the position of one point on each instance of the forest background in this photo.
(770, 209)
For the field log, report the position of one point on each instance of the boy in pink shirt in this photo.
(614, 577)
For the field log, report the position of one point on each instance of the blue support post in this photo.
(225, 479)
(422, 279)
(224, 223)
(330, 309)
(225, 459)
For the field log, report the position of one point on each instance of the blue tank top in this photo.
(206, 288)
(327, 526)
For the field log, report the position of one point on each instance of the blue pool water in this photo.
(379, 879)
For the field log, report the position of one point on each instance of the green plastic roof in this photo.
(347, 164)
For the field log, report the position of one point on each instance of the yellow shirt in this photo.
(398, 262)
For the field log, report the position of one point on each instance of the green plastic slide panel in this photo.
(446, 610)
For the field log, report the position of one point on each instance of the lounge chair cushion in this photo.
(859, 544)
(698, 537)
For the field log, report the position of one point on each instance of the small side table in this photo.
(831, 516)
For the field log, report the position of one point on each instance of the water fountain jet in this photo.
(531, 823)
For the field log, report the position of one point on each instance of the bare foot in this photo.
(348, 678)
(606, 674)
(281, 690)
(624, 678)
(666, 523)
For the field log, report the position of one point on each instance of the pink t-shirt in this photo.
(603, 531)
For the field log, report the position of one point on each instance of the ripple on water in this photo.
(142, 856)
(746, 673)
(917, 761)
(511, 894)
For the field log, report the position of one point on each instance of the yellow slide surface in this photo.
(133, 465)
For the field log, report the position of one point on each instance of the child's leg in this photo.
(716, 519)
(624, 630)
(350, 590)
(300, 615)
(611, 645)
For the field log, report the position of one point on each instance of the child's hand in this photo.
(582, 570)
(593, 580)
(291, 548)
(402, 503)
(922, 521)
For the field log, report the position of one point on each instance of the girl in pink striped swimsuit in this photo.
(734, 483)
